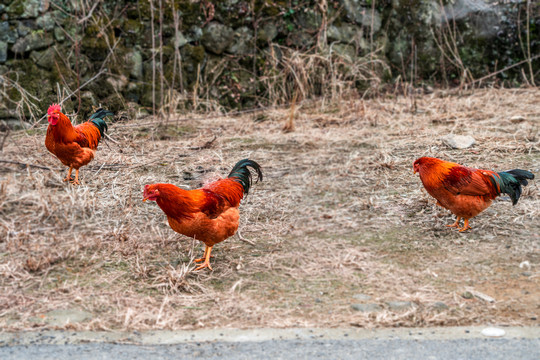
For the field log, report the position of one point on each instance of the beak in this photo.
(414, 171)
(145, 198)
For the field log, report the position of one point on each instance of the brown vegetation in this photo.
(340, 213)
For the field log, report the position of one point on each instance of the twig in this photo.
(4, 139)
(110, 138)
(26, 165)
(503, 70)
(206, 145)
(153, 58)
(102, 166)
(73, 92)
(90, 13)
(244, 239)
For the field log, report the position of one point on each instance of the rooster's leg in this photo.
(456, 224)
(68, 177)
(76, 181)
(465, 226)
(204, 256)
(206, 262)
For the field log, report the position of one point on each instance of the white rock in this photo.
(493, 332)
(517, 119)
(525, 264)
(458, 141)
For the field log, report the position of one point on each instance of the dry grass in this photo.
(339, 213)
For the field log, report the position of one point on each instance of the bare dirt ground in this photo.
(338, 217)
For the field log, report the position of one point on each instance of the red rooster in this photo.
(467, 192)
(209, 214)
(74, 146)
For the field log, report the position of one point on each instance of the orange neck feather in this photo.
(433, 170)
(176, 202)
(63, 131)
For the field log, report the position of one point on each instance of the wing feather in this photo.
(461, 180)
(88, 135)
(228, 189)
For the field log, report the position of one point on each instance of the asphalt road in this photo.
(276, 344)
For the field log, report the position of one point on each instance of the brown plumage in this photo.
(467, 192)
(74, 146)
(209, 214)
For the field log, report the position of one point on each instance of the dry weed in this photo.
(339, 213)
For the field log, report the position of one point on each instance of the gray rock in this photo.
(7, 33)
(517, 119)
(493, 332)
(300, 40)
(3, 51)
(34, 41)
(526, 273)
(368, 307)
(180, 40)
(16, 124)
(134, 60)
(345, 33)
(242, 42)
(217, 37)
(458, 141)
(309, 19)
(400, 305)
(194, 33)
(362, 15)
(467, 295)
(44, 59)
(4, 29)
(61, 317)
(59, 34)
(90, 97)
(362, 297)
(46, 22)
(273, 54)
(25, 9)
(119, 82)
(479, 15)
(345, 51)
(439, 306)
(267, 32)
(24, 28)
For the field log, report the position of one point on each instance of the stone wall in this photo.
(227, 52)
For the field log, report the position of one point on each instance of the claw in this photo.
(68, 176)
(456, 224)
(206, 259)
(204, 265)
(76, 181)
(465, 226)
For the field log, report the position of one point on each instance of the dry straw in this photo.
(339, 213)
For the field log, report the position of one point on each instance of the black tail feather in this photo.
(97, 119)
(511, 181)
(242, 174)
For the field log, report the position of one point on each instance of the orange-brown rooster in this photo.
(74, 146)
(209, 214)
(467, 192)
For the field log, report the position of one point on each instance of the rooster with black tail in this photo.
(74, 146)
(467, 192)
(209, 214)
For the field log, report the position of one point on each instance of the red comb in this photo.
(53, 108)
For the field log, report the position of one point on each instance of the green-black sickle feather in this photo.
(510, 182)
(97, 119)
(241, 174)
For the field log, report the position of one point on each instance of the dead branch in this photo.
(206, 145)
